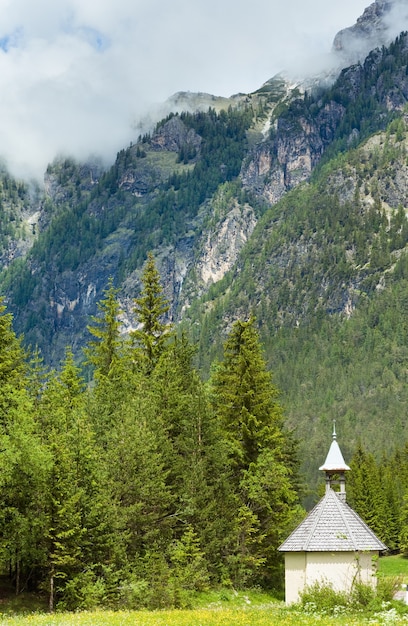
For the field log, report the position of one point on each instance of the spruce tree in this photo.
(104, 351)
(138, 483)
(13, 367)
(23, 461)
(195, 454)
(108, 353)
(77, 535)
(366, 491)
(261, 456)
(150, 309)
(245, 400)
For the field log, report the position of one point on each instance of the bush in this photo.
(322, 598)
(387, 587)
(84, 591)
(362, 595)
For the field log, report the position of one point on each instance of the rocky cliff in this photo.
(193, 191)
(380, 23)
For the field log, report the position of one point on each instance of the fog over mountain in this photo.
(75, 75)
(380, 23)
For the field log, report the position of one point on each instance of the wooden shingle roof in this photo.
(332, 526)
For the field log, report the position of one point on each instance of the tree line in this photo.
(377, 489)
(144, 484)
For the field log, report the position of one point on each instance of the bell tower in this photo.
(335, 467)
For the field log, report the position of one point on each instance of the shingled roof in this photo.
(332, 526)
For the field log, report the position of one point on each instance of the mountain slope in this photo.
(159, 195)
(289, 203)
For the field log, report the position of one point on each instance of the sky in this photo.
(75, 75)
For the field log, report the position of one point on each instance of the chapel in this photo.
(332, 545)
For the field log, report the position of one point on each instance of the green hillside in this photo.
(289, 205)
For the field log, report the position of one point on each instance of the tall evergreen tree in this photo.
(77, 535)
(261, 454)
(150, 309)
(138, 482)
(108, 353)
(23, 461)
(195, 454)
(245, 398)
(13, 367)
(365, 490)
(106, 348)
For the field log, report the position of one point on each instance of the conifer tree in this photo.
(78, 522)
(194, 452)
(23, 461)
(138, 477)
(365, 490)
(108, 354)
(245, 398)
(150, 308)
(106, 348)
(392, 506)
(13, 366)
(261, 454)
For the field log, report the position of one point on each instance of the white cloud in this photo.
(74, 74)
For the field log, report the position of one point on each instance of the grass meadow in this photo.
(217, 608)
(269, 615)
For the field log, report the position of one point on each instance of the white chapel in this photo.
(332, 545)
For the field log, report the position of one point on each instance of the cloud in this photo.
(397, 18)
(76, 74)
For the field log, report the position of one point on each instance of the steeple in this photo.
(335, 466)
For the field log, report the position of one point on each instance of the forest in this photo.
(130, 482)
(142, 484)
(177, 457)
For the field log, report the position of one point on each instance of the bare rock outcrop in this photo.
(380, 23)
(174, 135)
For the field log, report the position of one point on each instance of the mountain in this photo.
(380, 23)
(289, 202)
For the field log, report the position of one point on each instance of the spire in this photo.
(335, 466)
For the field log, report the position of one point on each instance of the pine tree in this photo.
(150, 309)
(23, 461)
(78, 523)
(262, 457)
(105, 350)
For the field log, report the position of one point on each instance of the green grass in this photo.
(395, 565)
(270, 615)
(167, 162)
(213, 608)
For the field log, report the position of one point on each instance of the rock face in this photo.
(174, 135)
(221, 244)
(301, 134)
(135, 201)
(380, 23)
(296, 145)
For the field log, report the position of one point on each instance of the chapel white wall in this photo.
(339, 569)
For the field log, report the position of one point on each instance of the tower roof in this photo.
(332, 526)
(334, 461)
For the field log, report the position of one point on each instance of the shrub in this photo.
(387, 586)
(362, 595)
(322, 598)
